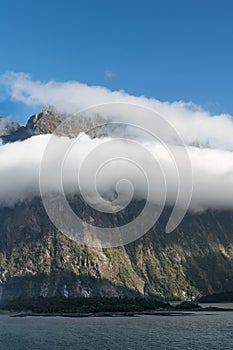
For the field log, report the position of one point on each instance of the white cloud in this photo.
(208, 138)
(20, 164)
(192, 123)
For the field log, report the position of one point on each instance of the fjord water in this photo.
(200, 331)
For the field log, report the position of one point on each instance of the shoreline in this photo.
(104, 314)
(122, 314)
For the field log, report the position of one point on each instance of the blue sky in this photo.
(169, 50)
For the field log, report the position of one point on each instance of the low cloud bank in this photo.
(20, 167)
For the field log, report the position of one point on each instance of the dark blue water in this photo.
(200, 331)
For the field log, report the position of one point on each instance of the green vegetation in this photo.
(83, 305)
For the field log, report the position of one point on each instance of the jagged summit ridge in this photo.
(47, 120)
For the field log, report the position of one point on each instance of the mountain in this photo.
(7, 127)
(37, 260)
(42, 122)
(46, 122)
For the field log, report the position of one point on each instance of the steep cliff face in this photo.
(36, 259)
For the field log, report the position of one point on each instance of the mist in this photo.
(21, 161)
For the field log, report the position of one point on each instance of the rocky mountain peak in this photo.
(45, 121)
(48, 119)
